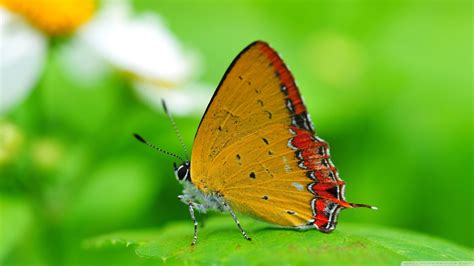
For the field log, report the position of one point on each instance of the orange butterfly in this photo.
(256, 152)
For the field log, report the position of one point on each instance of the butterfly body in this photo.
(256, 151)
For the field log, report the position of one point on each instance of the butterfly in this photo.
(255, 151)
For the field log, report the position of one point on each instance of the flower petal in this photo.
(23, 54)
(82, 64)
(191, 99)
(140, 45)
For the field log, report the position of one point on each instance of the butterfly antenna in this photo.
(156, 148)
(176, 130)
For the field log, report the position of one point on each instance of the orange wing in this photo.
(255, 146)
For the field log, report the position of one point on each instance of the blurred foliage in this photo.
(220, 243)
(388, 85)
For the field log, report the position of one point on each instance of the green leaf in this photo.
(115, 194)
(221, 242)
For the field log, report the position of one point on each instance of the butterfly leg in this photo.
(229, 209)
(191, 212)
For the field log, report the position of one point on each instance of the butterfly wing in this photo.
(256, 147)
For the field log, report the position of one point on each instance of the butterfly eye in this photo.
(182, 172)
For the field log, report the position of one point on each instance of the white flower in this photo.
(140, 46)
(147, 51)
(23, 51)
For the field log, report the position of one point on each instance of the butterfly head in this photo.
(182, 172)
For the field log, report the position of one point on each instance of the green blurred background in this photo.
(388, 85)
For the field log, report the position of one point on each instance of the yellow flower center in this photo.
(55, 17)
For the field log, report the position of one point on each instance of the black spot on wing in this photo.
(331, 175)
(301, 120)
(333, 191)
(310, 175)
(269, 114)
(324, 162)
(321, 150)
